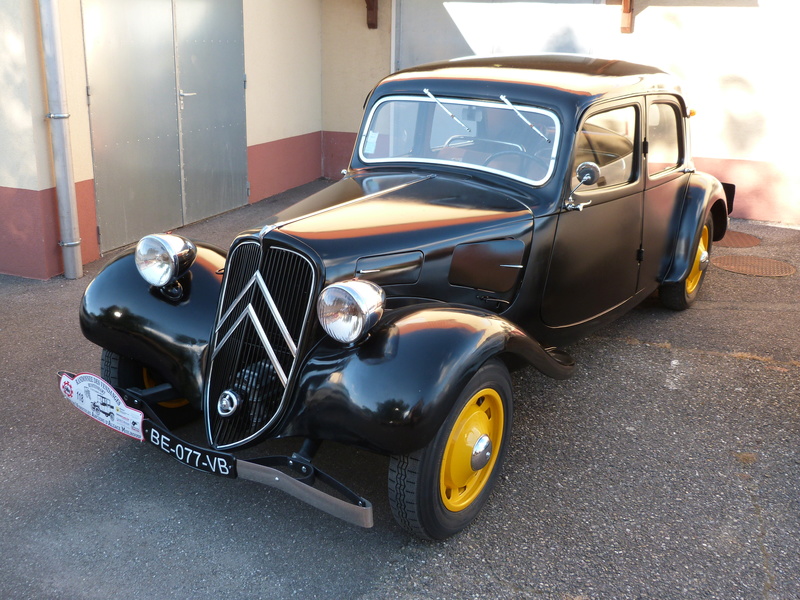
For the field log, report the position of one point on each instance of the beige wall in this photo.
(283, 62)
(354, 60)
(75, 74)
(733, 56)
(293, 88)
(25, 152)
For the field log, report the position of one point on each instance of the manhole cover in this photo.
(753, 265)
(737, 239)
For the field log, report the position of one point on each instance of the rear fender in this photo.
(704, 195)
(393, 392)
(124, 314)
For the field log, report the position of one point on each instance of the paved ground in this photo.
(668, 467)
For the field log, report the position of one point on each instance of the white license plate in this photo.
(196, 457)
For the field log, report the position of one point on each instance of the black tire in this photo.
(123, 372)
(682, 294)
(120, 371)
(425, 491)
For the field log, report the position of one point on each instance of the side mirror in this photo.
(588, 173)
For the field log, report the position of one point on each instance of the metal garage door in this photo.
(166, 101)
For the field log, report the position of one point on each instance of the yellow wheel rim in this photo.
(459, 481)
(697, 268)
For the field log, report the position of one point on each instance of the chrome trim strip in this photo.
(351, 513)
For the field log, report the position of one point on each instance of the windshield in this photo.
(513, 140)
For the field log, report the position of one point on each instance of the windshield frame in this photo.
(553, 139)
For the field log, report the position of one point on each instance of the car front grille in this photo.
(267, 297)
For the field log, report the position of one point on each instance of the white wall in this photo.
(283, 62)
(355, 59)
(735, 58)
(23, 151)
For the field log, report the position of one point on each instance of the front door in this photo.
(166, 102)
(595, 261)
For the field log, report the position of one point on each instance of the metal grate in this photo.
(753, 265)
(737, 239)
(266, 302)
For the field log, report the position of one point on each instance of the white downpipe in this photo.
(59, 134)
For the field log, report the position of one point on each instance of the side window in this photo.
(663, 138)
(609, 140)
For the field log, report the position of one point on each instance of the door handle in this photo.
(183, 95)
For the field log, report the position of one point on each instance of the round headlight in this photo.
(349, 309)
(161, 259)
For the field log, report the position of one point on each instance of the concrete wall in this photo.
(29, 227)
(283, 62)
(310, 64)
(734, 57)
(355, 58)
(299, 56)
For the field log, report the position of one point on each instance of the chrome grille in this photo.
(267, 299)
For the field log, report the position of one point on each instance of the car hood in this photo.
(372, 215)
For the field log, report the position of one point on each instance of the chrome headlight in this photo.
(161, 259)
(349, 309)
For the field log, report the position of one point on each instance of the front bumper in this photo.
(294, 475)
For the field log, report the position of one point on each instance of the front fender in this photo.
(169, 336)
(393, 392)
(704, 195)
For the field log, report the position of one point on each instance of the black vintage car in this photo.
(494, 209)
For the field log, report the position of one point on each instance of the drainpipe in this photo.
(59, 135)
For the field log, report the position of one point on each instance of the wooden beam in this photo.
(372, 14)
(626, 25)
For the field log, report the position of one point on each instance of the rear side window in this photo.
(663, 138)
(609, 140)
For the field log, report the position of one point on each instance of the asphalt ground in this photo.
(667, 467)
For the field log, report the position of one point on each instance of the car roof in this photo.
(562, 74)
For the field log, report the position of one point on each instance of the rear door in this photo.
(665, 186)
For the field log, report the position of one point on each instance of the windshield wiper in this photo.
(444, 108)
(524, 120)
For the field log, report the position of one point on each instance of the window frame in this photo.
(424, 125)
(681, 132)
(620, 190)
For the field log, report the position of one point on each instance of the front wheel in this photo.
(437, 491)
(682, 294)
(123, 372)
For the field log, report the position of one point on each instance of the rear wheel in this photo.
(437, 491)
(682, 294)
(123, 372)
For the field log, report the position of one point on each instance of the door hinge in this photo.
(640, 255)
(645, 147)
(247, 187)
(88, 96)
(245, 81)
